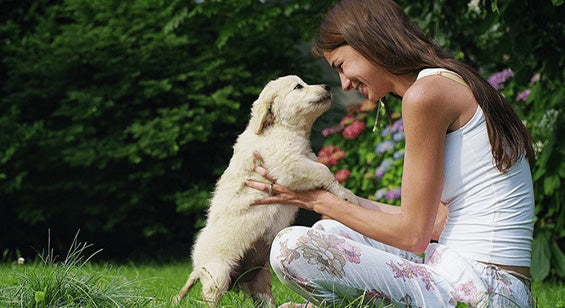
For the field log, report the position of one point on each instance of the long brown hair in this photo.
(385, 35)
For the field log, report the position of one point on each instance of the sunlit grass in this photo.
(74, 281)
(70, 282)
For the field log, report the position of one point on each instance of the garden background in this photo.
(117, 117)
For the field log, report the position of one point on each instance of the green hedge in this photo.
(118, 116)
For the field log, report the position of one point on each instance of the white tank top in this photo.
(491, 214)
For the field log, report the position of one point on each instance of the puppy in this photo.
(232, 250)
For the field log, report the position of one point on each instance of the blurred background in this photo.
(117, 117)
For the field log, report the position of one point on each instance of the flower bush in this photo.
(538, 100)
(369, 163)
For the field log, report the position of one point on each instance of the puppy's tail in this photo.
(192, 278)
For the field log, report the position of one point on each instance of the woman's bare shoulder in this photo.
(434, 99)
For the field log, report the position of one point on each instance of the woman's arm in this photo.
(439, 223)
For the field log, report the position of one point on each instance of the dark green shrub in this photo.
(118, 116)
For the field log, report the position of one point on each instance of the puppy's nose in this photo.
(326, 87)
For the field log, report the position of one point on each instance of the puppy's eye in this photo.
(298, 87)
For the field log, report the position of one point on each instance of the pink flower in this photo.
(368, 105)
(327, 160)
(342, 175)
(350, 252)
(328, 150)
(347, 120)
(344, 234)
(329, 155)
(353, 130)
(338, 154)
(465, 292)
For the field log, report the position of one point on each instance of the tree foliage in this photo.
(118, 116)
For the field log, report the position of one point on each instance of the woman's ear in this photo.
(261, 112)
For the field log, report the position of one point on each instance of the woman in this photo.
(466, 157)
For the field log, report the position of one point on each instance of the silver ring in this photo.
(271, 189)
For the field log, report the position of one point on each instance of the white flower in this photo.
(473, 6)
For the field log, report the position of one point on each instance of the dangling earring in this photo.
(378, 112)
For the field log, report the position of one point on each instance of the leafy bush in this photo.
(118, 116)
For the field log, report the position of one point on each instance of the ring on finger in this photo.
(271, 189)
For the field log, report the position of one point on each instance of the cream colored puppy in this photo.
(233, 248)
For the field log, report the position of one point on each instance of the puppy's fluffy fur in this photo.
(233, 249)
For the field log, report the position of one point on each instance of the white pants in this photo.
(330, 264)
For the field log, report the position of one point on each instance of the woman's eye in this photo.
(298, 87)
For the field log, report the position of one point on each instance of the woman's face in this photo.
(356, 72)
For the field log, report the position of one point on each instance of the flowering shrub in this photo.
(369, 163)
(538, 100)
(330, 155)
(342, 175)
(497, 80)
(353, 130)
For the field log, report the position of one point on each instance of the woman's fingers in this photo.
(264, 173)
(269, 188)
(262, 170)
(259, 185)
(258, 155)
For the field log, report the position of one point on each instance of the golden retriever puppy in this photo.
(232, 250)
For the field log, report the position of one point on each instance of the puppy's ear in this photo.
(261, 113)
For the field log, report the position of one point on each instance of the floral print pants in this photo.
(332, 265)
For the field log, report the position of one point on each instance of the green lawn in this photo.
(157, 284)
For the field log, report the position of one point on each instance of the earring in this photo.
(378, 112)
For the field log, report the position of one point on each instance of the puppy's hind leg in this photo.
(215, 281)
(260, 288)
(189, 282)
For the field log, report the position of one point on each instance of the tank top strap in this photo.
(442, 72)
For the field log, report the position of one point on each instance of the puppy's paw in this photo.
(348, 196)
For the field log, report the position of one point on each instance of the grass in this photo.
(147, 285)
(76, 282)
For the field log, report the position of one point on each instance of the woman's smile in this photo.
(363, 90)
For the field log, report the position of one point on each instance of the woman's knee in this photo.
(284, 244)
(335, 227)
(329, 225)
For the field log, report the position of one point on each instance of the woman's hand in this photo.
(308, 200)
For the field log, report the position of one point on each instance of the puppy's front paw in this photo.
(348, 196)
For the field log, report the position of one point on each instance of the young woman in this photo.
(466, 182)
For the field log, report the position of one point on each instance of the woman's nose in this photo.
(345, 83)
